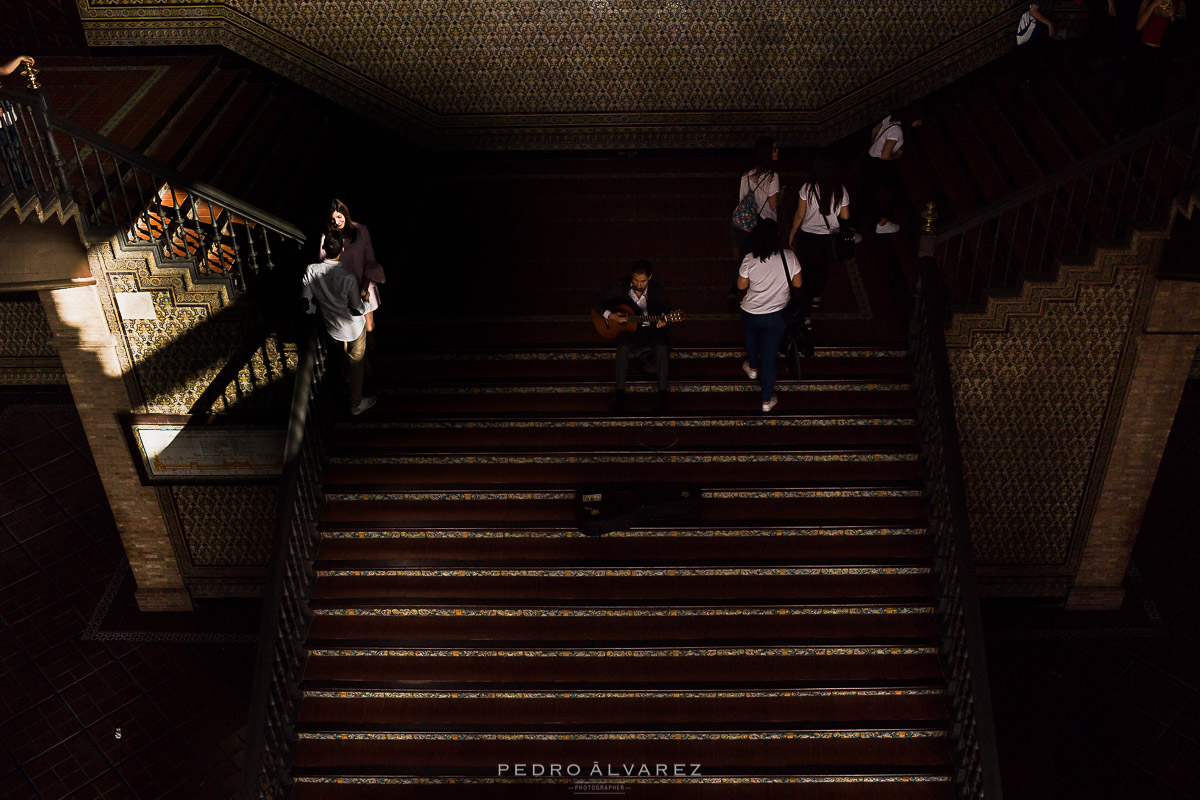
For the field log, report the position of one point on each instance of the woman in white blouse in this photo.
(823, 207)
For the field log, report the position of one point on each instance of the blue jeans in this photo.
(764, 334)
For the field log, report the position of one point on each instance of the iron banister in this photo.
(948, 507)
(176, 179)
(1087, 165)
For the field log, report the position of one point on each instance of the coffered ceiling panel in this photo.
(525, 73)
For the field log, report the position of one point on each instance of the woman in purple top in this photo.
(358, 256)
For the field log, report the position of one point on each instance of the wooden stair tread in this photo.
(619, 550)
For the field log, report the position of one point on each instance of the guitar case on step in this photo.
(603, 509)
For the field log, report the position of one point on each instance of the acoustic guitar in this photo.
(610, 328)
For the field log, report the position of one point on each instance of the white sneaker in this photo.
(767, 406)
(750, 371)
(364, 404)
(891, 227)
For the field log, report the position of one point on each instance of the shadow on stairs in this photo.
(468, 639)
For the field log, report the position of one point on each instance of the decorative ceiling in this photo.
(590, 73)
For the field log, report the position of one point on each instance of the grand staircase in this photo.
(781, 642)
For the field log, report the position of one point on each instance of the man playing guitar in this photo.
(638, 295)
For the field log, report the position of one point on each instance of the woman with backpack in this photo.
(758, 195)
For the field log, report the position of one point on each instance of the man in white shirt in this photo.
(342, 304)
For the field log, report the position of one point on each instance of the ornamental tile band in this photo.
(397, 780)
(606, 354)
(627, 534)
(605, 695)
(731, 494)
(444, 496)
(787, 494)
(640, 613)
(698, 652)
(647, 458)
(730, 422)
(606, 388)
(645, 572)
(649, 736)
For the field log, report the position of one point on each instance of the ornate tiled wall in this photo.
(1035, 379)
(26, 355)
(591, 73)
(223, 525)
(221, 533)
(195, 333)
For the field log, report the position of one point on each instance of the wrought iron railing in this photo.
(1064, 217)
(275, 699)
(118, 192)
(962, 649)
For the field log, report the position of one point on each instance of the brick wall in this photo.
(91, 359)
(1165, 351)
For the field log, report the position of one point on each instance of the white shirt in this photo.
(764, 187)
(640, 302)
(813, 222)
(888, 131)
(769, 290)
(336, 292)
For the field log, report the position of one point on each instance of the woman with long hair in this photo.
(767, 279)
(761, 181)
(358, 256)
(823, 208)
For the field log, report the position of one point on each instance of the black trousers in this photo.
(814, 253)
(643, 340)
(885, 188)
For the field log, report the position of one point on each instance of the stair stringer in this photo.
(1039, 383)
(1144, 249)
(1064, 287)
(34, 205)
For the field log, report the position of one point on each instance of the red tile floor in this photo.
(1089, 707)
(97, 700)
(1097, 706)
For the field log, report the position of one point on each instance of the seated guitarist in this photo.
(642, 296)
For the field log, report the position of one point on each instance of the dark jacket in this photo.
(657, 302)
(609, 298)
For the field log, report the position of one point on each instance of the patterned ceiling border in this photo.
(110, 23)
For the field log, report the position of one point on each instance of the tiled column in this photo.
(1164, 356)
(91, 359)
